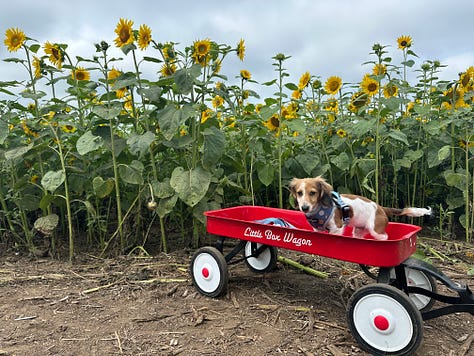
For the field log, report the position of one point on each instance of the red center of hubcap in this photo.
(205, 272)
(381, 322)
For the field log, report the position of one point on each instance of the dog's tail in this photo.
(413, 212)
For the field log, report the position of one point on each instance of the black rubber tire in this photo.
(265, 262)
(209, 273)
(403, 328)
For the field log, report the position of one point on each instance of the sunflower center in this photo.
(15, 40)
(202, 49)
(124, 35)
(372, 87)
(55, 52)
(403, 43)
(275, 122)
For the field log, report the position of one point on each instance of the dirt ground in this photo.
(148, 306)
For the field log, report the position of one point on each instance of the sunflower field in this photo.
(96, 154)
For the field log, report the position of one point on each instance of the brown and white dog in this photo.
(315, 195)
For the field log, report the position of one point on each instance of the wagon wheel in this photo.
(417, 278)
(266, 259)
(384, 320)
(209, 271)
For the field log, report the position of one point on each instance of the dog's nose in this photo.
(304, 208)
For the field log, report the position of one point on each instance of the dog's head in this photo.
(310, 193)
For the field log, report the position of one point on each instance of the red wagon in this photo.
(384, 317)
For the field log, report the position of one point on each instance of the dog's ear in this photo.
(292, 186)
(325, 190)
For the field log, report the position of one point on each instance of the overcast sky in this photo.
(324, 37)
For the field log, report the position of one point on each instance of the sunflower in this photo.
(37, 64)
(245, 74)
(332, 105)
(241, 49)
(144, 37)
(369, 85)
(341, 133)
(379, 69)
(217, 66)
(333, 85)
(296, 94)
(113, 74)
(124, 33)
(80, 74)
(201, 51)
(390, 90)
(68, 128)
(14, 39)
(304, 80)
(168, 70)
(205, 115)
(55, 54)
(273, 123)
(168, 52)
(404, 42)
(467, 79)
(358, 100)
(217, 101)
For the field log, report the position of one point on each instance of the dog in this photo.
(329, 211)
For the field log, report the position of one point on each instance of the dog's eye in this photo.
(312, 193)
(300, 193)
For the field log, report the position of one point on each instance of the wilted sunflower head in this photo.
(55, 54)
(37, 66)
(404, 42)
(144, 37)
(467, 79)
(333, 85)
(273, 123)
(113, 74)
(241, 49)
(358, 100)
(379, 69)
(124, 33)
(14, 39)
(390, 90)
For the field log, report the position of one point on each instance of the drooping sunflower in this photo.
(37, 64)
(168, 70)
(273, 123)
(113, 74)
(201, 51)
(467, 79)
(358, 100)
(169, 55)
(241, 49)
(296, 94)
(124, 33)
(379, 69)
(333, 85)
(245, 74)
(217, 101)
(80, 74)
(55, 54)
(304, 80)
(390, 90)
(205, 115)
(404, 42)
(332, 105)
(14, 39)
(369, 85)
(144, 37)
(217, 66)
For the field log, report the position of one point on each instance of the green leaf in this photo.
(444, 152)
(52, 180)
(185, 78)
(265, 173)
(214, 143)
(192, 185)
(399, 136)
(457, 180)
(166, 205)
(308, 162)
(132, 174)
(88, 143)
(46, 224)
(341, 161)
(163, 189)
(139, 144)
(102, 188)
(17, 152)
(172, 117)
(125, 80)
(106, 113)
